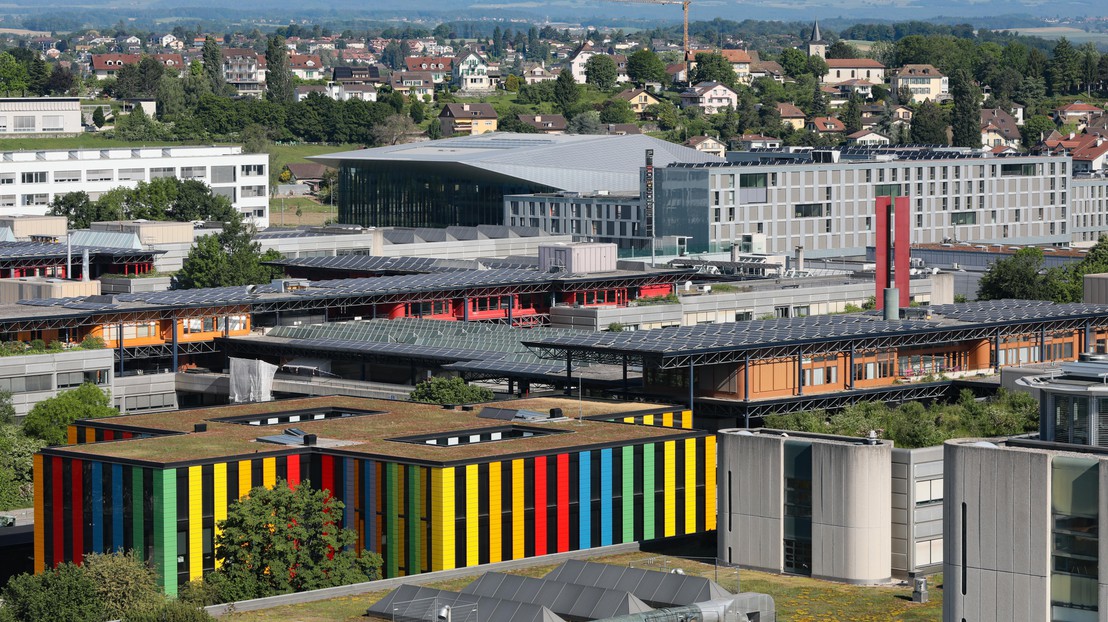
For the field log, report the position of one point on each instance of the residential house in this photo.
(826, 126)
(244, 69)
(306, 66)
(707, 144)
(168, 41)
(545, 123)
(371, 74)
(867, 138)
(841, 70)
(129, 43)
(1091, 156)
(998, 127)
(849, 87)
(340, 91)
(441, 69)
(1077, 112)
(1017, 112)
(767, 69)
(791, 114)
(471, 73)
(621, 68)
(537, 72)
(677, 72)
(746, 142)
(303, 91)
(308, 173)
(925, 82)
(873, 113)
(639, 99)
(467, 119)
(107, 65)
(740, 60)
(710, 97)
(418, 83)
(578, 61)
(621, 129)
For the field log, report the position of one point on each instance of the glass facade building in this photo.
(434, 194)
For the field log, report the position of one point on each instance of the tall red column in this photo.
(900, 246)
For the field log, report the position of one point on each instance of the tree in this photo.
(98, 117)
(394, 54)
(393, 130)
(852, 114)
(140, 80)
(17, 452)
(125, 585)
(587, 122)
(49, 420)
(617, 111)
(1089, 58)
(66, 592)
(278, 74)
(929, 125)
(440, 390)
(601, 72)
(818, 108)
(794, 62)
(713, 68)
(842, 49)
(1065, 68)
(645, 66)
(966, 115)
(229, 258)
(13, 75)
(212, 55)
(817, 67)
(282, 540)
(38, 74)
(1014, 277)
(566, 91)
(1035, 129)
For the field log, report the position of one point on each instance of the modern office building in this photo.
(31, 180)
(839, 508)
(427, 488)
(824, 201)
(463, 181)
(33, 117)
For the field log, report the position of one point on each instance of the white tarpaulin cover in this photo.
(251, 380)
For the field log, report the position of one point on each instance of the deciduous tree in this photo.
(601, 72)
(278, 74)
(644, 66)
(50, 418)
(440, 390)
(713, 68)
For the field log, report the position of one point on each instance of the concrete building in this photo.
(37, 117)
(174, 239)
(245, 70)
(30, 180)
(808, 504)
(463, 181)
(840, 70)
(925, 82)
(1022, 520)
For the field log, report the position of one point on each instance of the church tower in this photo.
(816, 45)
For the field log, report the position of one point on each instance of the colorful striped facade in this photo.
(420, 517)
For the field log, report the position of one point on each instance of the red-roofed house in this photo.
(791, 114)
(106, 65)
(710, 97)
(867, 138)
(998, 127)
(1077, 112)
(740, 60)
(825, 126)
(440, 68)
(306, 66)
(840, 70)
(1092, 156)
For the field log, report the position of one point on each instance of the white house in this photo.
(710, 97)
(22, 117)
(471, 72)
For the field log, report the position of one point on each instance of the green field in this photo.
(1075, 35)
(798, 599)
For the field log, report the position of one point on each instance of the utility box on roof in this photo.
(582, 258)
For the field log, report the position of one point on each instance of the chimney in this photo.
(465, 107)
(799, 258)
(84, 265)
(200, 427)
(309, 439)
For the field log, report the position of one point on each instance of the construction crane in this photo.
(684, 5)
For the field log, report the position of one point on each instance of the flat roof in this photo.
(369, 435)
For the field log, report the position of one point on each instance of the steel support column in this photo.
(569, 371)
(799, 371)
(174, 343)
(1042, 344)
(692, 383)
(850, 368)
(746, 379)
(122, 353)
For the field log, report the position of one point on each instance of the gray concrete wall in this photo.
(851, 516)
(997, 552)
(134, 286)
(751, 500)
(145, 393)
(917, 511)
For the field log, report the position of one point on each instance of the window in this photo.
(963, 218)
(223, 174)
(52, 123)
(34, 199)
(132, 174)
(887, 190)
(158, 173)
(194, 172)
(7, 178)
(752, 188)
(7, 200)
(71, 379)
(1075, 529)
(24, 124)
(35, 177)
(808, 210)
(225, 192)
(1014, 170)
(929, 492)
(253, 191)
(66, 176)
(23, 384)
(3, 124)
(103, 174)
(253, 170)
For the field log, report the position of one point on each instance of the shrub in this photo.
(439, 390)
(93, 343)
(124, 584)
(63, 593)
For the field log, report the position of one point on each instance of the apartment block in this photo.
(31, 180)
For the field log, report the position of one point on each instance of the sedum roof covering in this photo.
(578, 163)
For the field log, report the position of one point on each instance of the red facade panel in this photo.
(77, 498)
(540, 505)
(563, 502)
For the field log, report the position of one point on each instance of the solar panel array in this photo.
(32, 250)
(737, 335)
(989, 311)
(485, 347)
(373, 263)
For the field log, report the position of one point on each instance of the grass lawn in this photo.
(282, 212)
(798, 599)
